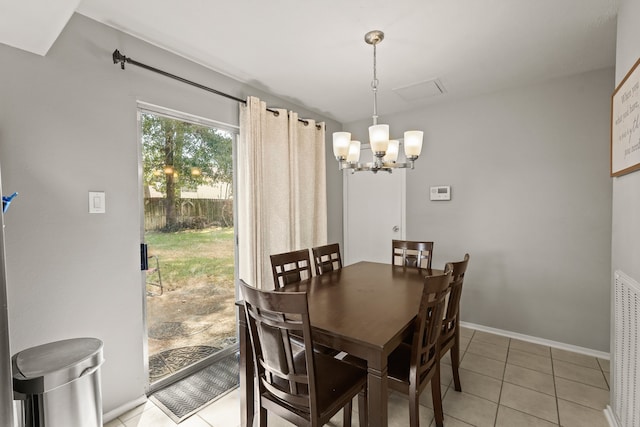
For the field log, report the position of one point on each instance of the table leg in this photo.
(247, 383)
(377, 383)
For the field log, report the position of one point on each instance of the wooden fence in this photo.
(193, 213)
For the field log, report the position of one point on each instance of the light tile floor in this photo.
(505, 383)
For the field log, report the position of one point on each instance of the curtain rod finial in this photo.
(118, 57)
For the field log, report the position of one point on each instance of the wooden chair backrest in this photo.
(273, 319)
(327, 258)
(411, 254)
(451, 317)
(290, 267)
(428, 326)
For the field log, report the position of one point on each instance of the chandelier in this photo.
(385, 151)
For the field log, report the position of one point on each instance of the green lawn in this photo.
(193, 256)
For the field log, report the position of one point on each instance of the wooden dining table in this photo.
(364, 309)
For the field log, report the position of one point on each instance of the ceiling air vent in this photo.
(421, 90)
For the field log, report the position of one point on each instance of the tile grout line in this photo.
(603, 375)
(504, 370)
(197, 414)
(555, 388)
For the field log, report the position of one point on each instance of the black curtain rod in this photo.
(120, 58)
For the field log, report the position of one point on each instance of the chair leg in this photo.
(414, 406)
(437, 397)
(455, 360)
(263, 417)
(346, 414)
(363, 415)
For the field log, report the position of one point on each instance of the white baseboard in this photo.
(536, 340)
(112, 415)
(611, 419)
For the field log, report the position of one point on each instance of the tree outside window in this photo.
(180, 154)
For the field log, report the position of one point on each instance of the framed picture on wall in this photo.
(625, 124)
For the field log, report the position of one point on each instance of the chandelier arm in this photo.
(375, 166)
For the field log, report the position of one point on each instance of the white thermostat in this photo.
(441, 192)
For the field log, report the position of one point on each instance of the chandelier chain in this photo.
(374, 86)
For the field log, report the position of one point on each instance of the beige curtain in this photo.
(282, 203)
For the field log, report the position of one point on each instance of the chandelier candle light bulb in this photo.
(385, 151)
(354, 152)
(341, 144)
(379, 138)
(413, 143)
(391, 155)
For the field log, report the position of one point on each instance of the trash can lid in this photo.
(48, 366)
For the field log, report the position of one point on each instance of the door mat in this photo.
(171, 361)
(184, 398)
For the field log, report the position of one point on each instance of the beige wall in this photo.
(531, 203)
(67, 127)
(625, 244)
(626, 203)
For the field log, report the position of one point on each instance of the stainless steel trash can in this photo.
(59, 383)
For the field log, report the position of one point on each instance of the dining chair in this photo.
(450, 335)
(304, 387)
(327, 258)
(411, 254)
(412, 366)
(290, 267)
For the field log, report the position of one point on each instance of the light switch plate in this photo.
(96, 202)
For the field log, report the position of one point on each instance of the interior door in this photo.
(374, 214)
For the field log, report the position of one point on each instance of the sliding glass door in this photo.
(187, 178)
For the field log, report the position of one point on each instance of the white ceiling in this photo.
(313, 52)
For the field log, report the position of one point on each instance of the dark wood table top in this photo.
(367, 303)
(364, 309)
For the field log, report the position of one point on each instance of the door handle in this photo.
(395, 228)
(144, 261)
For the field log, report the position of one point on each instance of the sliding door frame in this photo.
(144, 107)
